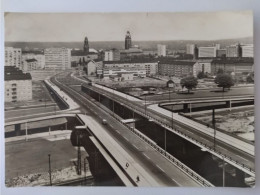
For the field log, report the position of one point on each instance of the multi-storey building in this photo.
(161, 49)
(248, 51)
(112, 55)
(29, 64)
(237, 66)
(234, 51)
(190, 49)
(150, 66)
(171, 67)
(202, 65)
(207, 52)
(57, 58)
(18, 85)
(221, 52)
(13, 56)
(126, 73)
(37, 55)
(78, 56)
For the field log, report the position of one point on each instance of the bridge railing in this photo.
(191, 139)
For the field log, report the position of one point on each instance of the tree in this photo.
(189, 82)
(201, 75)
(84, 62)
(224, 81)
(80, 61)
(250, 78)
(220, 71)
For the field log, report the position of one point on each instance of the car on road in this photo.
(104, 122)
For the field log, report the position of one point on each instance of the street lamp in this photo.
(79, 136)
(50, 169)
(214, 126)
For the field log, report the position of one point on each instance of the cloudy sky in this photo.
(60, 27)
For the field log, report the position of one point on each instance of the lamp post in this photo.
(172, 116)
(50, 169)
(214, 127)
(145, 104)
(224, 172)
(79, 153)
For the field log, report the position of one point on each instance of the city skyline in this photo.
(20, 27)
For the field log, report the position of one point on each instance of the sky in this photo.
(66, 27)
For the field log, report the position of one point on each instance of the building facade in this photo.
(234, 51)
(127, 73)
(161, 49)
(247, 51)
(235, 66)
(190, 49)
(18, 85)
(176, 68)
(202, 66)
(207, 52)
(13, 56)
(112, 55)
(37, 56)
(221, 53)
(151, 67)
(57, 58)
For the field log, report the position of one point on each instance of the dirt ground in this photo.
(26, 163)
(240, 123)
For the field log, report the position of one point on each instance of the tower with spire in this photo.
(128, 40)
(86, 45)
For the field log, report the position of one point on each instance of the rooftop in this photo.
(83, 53)
(33, 52)
(31, 60)
(233, 61)
(13, 73)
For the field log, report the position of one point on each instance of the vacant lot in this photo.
(26, 162)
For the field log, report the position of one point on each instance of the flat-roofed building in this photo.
(221, 52)
(247, 51)
(237, 66)
(190, 49)
(13, 57)
(130, 73)
(161, 50)
(18, 85)
(207, 52)
(112, 55)
(78, 56)
(171, 67)
(234, 51)
(202, 66)
(37, 55)
(151, 66)
(57, 58)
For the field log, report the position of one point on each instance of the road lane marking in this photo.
(175, 181)
(147, 156)
(111, 126)
(160, 168)
(135, 147)
(126, 139)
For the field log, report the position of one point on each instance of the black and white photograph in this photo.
(140, 99)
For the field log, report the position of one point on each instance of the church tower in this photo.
(128, 41)
(86, 45)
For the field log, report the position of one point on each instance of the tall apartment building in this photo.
(13, 56)
(161, 49)
(190, 49)
(234, 51)
(112, 55)
(248, 51)
(18, 85)
(207, 52)
(57, 58)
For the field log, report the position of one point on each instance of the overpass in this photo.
(161, 119)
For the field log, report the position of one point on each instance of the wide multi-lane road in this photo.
(158, 167)
(236, 154)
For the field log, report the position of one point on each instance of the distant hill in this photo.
(145, 45)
